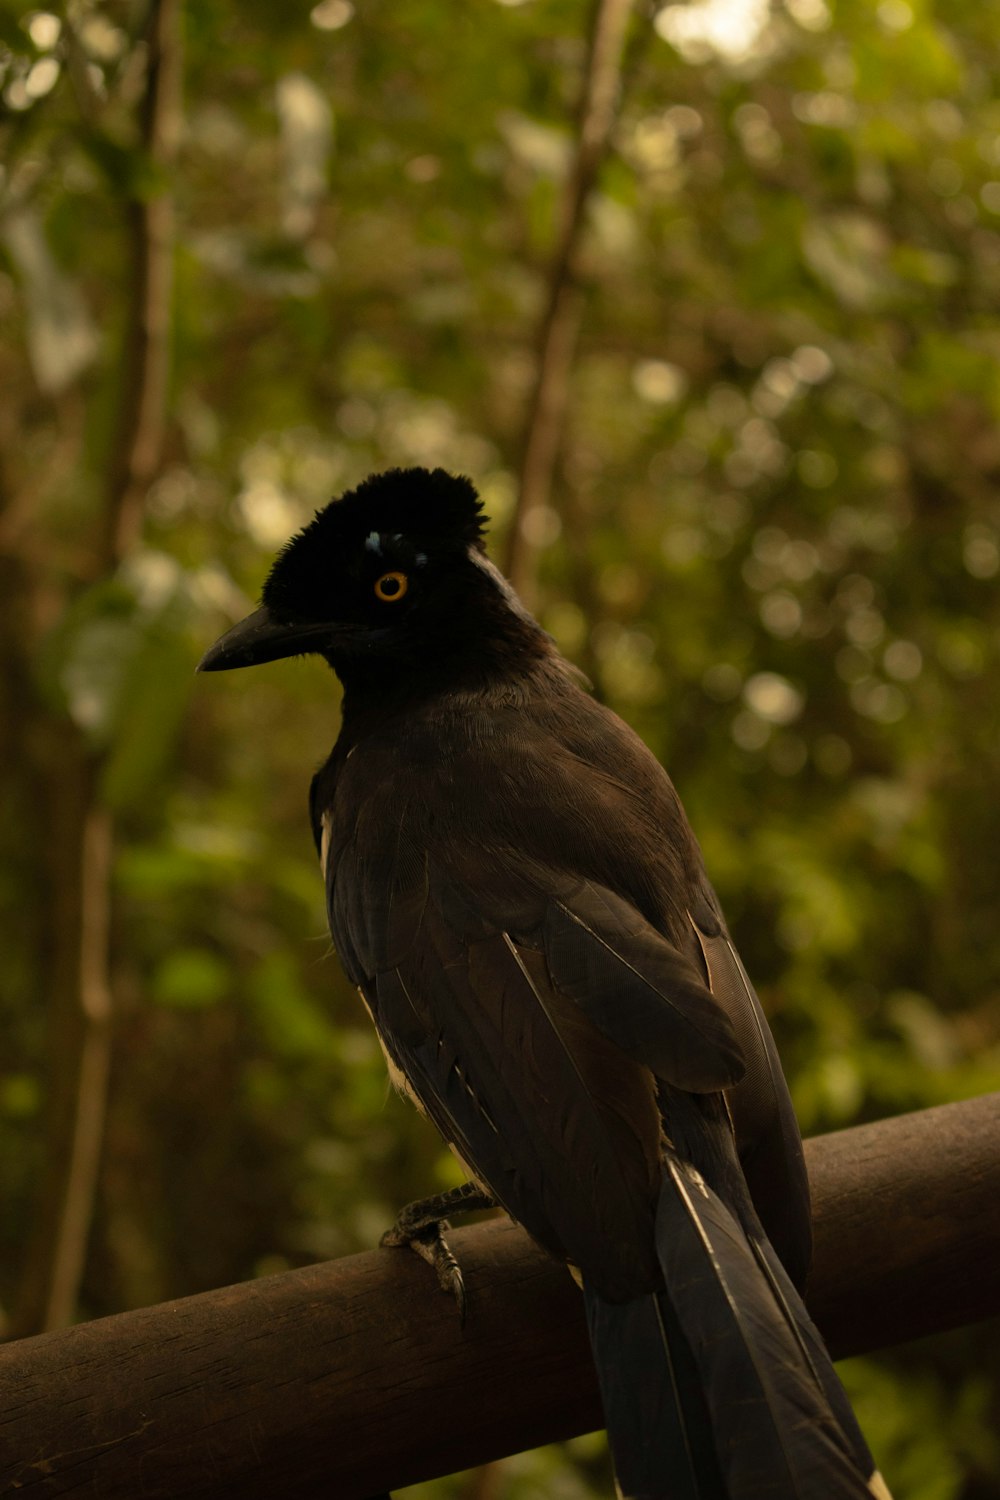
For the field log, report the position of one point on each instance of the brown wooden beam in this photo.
(353, 1377)
(906, 1214)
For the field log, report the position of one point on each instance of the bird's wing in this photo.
(767, 1133)
(531, 1013)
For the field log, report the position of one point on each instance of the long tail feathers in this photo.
(719, 1387)
(657, 1419)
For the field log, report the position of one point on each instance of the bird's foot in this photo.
(421, 1226)
(430, 1244)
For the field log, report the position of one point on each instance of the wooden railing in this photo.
(351, 1378)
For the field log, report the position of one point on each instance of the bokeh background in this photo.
(250, 252)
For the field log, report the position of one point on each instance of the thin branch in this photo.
(561, 320)
(90, 1084)
(147, 352)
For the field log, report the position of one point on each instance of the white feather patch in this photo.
(499, 582)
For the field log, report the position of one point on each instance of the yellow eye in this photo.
(391, 587)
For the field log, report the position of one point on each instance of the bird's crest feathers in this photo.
(420, 510)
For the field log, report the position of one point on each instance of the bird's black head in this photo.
(391, 578)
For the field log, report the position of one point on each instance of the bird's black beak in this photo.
(259, 638)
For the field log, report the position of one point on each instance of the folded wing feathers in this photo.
(767, 1133)
(485, 1040)
(643, 994)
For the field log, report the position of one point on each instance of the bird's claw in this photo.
(430, 1244)
(421, 1225)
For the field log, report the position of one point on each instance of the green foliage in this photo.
(118, 665)
(774, 548)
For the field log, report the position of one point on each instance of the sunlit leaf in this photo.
(62, 337)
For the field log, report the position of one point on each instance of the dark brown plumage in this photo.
(514, 889)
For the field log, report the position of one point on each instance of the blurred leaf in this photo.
(128, 170)
(292, 1023)
(121, 662)
(149, 713)
(20, 1096)
(191, 980)
(849, 252)
(62, 337)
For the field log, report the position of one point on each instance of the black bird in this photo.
(514, 889)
